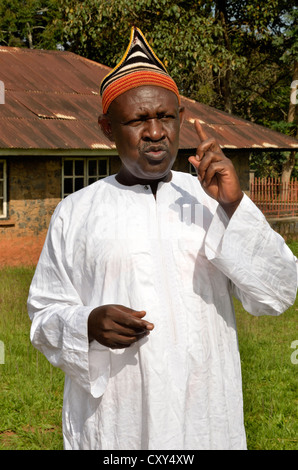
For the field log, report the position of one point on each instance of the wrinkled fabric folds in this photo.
(180, 259)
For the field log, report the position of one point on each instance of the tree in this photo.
(233, 55)
(236, 56)
(30, 23)
(265, 33)
(289, 165)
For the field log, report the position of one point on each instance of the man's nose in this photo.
(154, 130)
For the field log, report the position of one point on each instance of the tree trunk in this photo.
(290, 163)
(226, 81)
(30, 41)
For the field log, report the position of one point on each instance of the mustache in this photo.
(149, 147)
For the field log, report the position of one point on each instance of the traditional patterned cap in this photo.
(139, 66)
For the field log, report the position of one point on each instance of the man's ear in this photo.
(105, 125)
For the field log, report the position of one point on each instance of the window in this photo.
(80, 172)
(3, 192)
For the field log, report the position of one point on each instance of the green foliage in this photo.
(30, 23)
(255, 44)
(269, 164)
(236, 56)
(180, 33)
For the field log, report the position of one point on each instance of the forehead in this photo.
(145, 99)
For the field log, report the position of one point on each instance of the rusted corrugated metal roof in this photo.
(52, 102)
(230, 131)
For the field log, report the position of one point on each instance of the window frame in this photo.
(85, 174)
(4, 195)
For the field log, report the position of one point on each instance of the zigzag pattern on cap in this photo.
(139, 66)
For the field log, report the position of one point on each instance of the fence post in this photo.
(275, 197)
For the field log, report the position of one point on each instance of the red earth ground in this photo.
(23, 251)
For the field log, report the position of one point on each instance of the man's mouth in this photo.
(155, 153)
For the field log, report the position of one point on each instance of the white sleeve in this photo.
(59, 318)
(262, 268)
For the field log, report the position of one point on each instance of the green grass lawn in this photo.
(31, 390)
(269, 377)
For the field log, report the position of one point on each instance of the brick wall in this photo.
(34, 190)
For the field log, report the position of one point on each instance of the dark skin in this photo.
(145, 123)
(117, 326)
(216, 173)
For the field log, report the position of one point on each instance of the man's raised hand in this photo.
(216, 172)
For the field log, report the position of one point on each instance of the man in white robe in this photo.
(132, 295)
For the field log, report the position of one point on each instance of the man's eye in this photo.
(140, 120)
(135, 122)
(166, 117)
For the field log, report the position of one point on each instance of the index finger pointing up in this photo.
(207, 143)
(200, 131)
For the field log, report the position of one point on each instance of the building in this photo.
(51, 145)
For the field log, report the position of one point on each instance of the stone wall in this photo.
(34, 190)
(286, 227)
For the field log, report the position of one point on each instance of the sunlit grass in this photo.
(30, 388)
(269, 377)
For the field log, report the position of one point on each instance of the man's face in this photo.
(145, 124)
